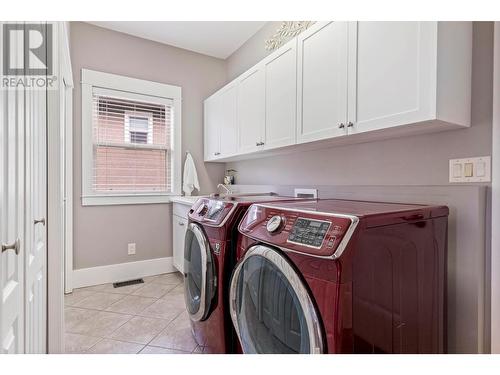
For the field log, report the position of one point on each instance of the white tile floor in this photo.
(147, 318)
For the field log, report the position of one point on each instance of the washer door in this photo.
(271, 309)
(199, 273)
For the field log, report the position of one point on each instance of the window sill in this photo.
(113, 200)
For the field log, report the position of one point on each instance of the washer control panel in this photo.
(210, 211)
(311, 233)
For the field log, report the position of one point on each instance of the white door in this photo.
(36, 213)
(322, 81)
(179, 232)
(23, 283)
(211, 127)
(281, 96)
(228, 131)
(251, 111)
(394, 68)
(12, 154)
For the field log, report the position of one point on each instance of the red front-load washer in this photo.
(209, 258)
(339, 276)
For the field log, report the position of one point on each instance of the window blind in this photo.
(131, 143)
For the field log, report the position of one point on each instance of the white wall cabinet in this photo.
(348, 82)
(221, 128)
(406, 73)
(322, 78)
(280, 69)
(251, 110)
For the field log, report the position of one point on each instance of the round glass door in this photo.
(199, 273)
(271, 309)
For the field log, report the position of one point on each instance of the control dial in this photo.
(274, 223)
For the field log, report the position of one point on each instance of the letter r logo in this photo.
(27, 49)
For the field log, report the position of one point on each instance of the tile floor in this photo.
(147, 318)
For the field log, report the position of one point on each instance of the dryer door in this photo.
(199, 273)
(271, 309)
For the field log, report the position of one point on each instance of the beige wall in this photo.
(251, 52)
(415, 160)
(101, 233)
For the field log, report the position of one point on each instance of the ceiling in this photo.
(214, 38)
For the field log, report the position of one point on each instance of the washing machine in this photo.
(340, 276)
(209, 258)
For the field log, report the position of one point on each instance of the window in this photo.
(139, 127)
(130, 140)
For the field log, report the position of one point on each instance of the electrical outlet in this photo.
(471, 169)
(131, 249)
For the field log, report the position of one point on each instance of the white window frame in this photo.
(131, 88)
(148, 116)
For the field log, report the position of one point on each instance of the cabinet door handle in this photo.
(181, 223)
(341, 125)
(216, 153)
(39, 221)
(11, 246)
(259, 144)
(350, 124)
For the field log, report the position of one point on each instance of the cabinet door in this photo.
(228, 131)
(178, 231)
(322, 81)
(211, 127)
(394, 74)
(251, 111)
(281, 96)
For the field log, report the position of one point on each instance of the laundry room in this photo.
(230, 186)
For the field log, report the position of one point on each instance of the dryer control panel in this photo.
(313, 233)
(211, 211)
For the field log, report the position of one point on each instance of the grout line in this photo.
(159, 333)
(101, 338)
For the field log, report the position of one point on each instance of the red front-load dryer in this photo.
(209, 258)
(338, 276)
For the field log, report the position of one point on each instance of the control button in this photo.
(274, 223)
(331, 242)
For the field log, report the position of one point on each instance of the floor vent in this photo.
(128, 282)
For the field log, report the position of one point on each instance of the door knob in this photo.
(40, 221)
(341, 125)
(13, 246)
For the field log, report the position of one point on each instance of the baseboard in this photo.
(121, 272)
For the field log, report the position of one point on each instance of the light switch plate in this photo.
(470, 169)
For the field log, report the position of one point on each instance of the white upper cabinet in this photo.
(228, 138)
(211, 128)
(345, 82)
(280, 96)
(404, 73)
(251, 110)
(221, 128)
(322, 81)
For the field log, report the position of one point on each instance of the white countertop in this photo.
(186, 200)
